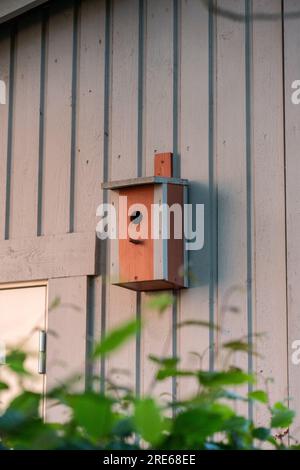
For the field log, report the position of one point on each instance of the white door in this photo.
(22, 323)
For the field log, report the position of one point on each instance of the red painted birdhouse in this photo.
(148, 249)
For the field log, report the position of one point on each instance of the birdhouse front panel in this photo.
(136, 254)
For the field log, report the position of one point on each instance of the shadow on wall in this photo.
(200, 262)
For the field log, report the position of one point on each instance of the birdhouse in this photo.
(148, 249)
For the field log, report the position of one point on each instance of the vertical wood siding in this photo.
(292, 141)
(67, 326)
(231, 172)
(123, 162)
(195, 166)
(157, 137)
(94, 89)
(269, 211)
(58, 121)
(25, 131)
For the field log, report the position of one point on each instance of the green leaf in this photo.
(223, 410)
(124, 427)
(166, 362)
(148, 420)
(220, 379)
(173, 372)
(282, 416)
(261, 433)
(161, 302)
(34, 434)
(204, 324)
(259, 395)
(240, 346)
(15, 361)
(22, 409)
(238, 424)
(54, 304)
(273, 441)
(3, 386)
(93, 413)
(237, 346)
(169, 368)
(117, 338)
(11, 420)
(28, 403)
(193, 426)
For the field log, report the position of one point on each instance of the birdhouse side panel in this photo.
(176, 245)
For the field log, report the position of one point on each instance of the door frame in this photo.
(21, 285)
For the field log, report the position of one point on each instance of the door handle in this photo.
(42, 352)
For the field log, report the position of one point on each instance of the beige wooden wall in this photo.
(95, 88)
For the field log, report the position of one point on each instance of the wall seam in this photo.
(248, 87)
(45, 18)
(213, 216)
(140, 171)
(176, 166)
(75, 60)
(90, 323)
(285, 193)
(106, 149)
(10, 131)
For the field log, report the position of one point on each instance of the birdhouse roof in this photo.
(142, 181)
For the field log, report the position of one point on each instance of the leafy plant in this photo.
(208, 420)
